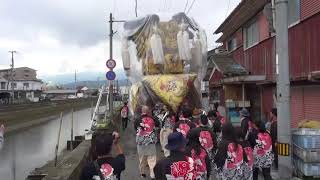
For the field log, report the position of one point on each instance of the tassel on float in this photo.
(196, 54)
(183, 43)
(125, 55)
(156, 47)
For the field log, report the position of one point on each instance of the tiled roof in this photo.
(60, 91)
(227, 65)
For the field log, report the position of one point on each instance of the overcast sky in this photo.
(59, 36)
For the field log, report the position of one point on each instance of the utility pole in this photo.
(98, 80)
(283, 89)
(111, 57)
(11, 76)
(75, 79)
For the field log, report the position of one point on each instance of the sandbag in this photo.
(313, 124)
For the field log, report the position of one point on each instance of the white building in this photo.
(22, 81)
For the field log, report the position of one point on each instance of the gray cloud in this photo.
(73, 21)
(84, 23)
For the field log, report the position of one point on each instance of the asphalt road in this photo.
(130, 150)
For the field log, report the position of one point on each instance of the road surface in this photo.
(132, 162)
(130, 150)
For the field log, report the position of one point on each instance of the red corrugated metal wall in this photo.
(304, 53)
(238, 56)
(312, 102)
(305, 103)
(296, 106)
(267, 100)
(263, 27)
(215, 79)
(259, 59)
(309, 8)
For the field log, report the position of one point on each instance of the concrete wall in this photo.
(70, 166)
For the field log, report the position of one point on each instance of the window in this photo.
(3, 85)
(26, 75)
(13, 85)
(251, 34)
(26, 85)
(232, 44)
(293, 11)
(215, 96)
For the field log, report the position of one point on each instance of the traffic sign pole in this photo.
(111, 63)
(111, 57)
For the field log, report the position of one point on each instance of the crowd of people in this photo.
(196, 146)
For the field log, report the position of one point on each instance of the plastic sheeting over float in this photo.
(166, 51)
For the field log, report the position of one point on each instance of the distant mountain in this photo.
(93, 84)
(81, 77)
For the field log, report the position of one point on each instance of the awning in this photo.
(225, 64)
(244, 79)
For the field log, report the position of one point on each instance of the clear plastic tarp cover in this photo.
(167, 53)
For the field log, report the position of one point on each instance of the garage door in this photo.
(305, 104)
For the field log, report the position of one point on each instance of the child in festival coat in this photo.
(261, 143)
(229, 157)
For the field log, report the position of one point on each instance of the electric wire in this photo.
(190, 6)
(136, 8)
(228, 7)
(185, 7)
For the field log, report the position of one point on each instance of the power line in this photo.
(185, 7)
(159, 9)
(114, 7)
(190, 6)
(136, 8)
(227, 9)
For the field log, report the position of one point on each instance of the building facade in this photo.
(249, 38)
(23, 82)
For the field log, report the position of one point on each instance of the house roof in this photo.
(60, 91)
(225, 64)
(239, 16)
(17, 68)
(20, 77)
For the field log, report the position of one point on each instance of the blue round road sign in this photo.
(111, 75)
